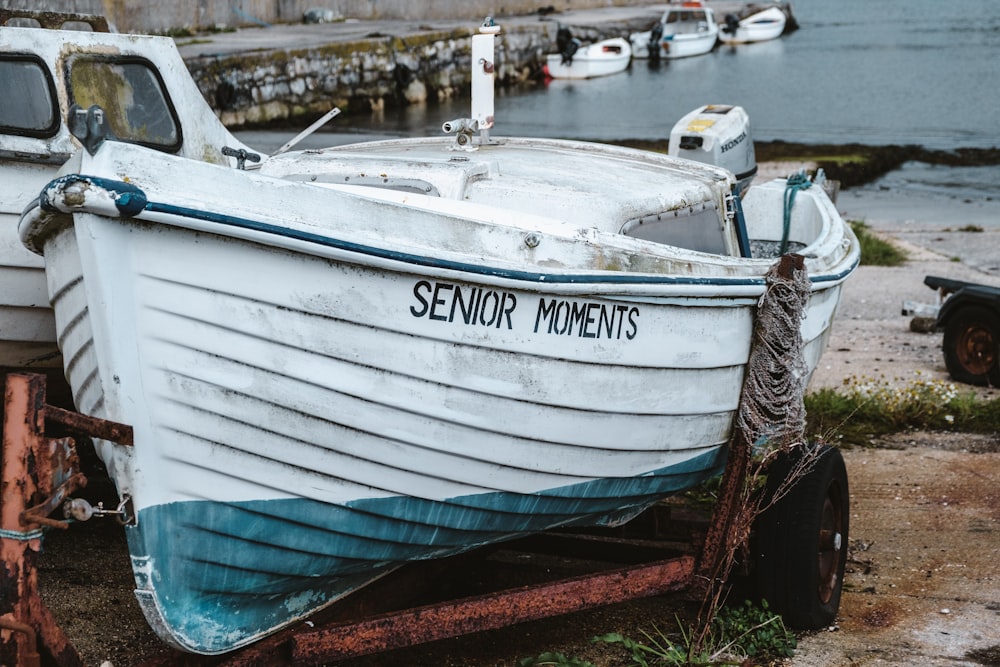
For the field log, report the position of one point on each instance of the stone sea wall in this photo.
(369, 75)
(361, 76)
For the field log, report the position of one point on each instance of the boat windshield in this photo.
(132, 96)
(685, 21)
(28, 105)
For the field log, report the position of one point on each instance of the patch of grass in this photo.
(748, 634)
(867, 408)
(876, 251)
(970, 228)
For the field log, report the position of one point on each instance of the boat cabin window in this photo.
(695, 228)
(28, 104)
(132, 95)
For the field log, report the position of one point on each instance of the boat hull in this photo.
(27, 327)
(682, 32)
(604, 58)
(314, 404)
(760, 27)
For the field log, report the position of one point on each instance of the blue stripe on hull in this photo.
(214, 576)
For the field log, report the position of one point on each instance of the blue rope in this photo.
(22, 535)
(795, 183)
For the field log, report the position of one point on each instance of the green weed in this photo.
(866, 408)
(876, 251)
(742, 635)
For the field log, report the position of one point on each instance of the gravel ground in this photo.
(924, 586)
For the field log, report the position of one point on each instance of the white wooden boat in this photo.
(35, 141)
(609, 56)
(759, 26)
(685, 29)
(347, 359)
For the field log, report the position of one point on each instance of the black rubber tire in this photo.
(972, 346)
(799, 543)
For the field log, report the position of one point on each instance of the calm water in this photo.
(874, 72)
(868, 71)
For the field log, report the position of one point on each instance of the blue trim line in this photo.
(130, 201)
(421, 260)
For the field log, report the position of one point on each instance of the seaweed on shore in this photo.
(853, 164)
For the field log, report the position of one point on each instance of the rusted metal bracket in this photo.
(489, 612)
(307, 644)
(37, 474)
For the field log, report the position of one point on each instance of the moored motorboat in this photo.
(338, 361)
(578, 61)
(685, 29)
(760, 25)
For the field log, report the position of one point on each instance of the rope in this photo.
(22, 535)
(794, 183)
(772, 407)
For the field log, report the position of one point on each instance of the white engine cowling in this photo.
(717, 134)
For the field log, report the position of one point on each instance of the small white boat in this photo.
(759, 26)
(609, 56)
(685, 29)
(338, 361)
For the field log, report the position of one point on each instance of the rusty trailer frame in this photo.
(40, 472)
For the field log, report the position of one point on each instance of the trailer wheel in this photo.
(800, 541)
(972, 346)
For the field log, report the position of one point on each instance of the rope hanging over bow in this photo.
(794, 183)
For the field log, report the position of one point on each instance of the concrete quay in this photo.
(297, 71)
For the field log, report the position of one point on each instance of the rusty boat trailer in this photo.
(40, 472)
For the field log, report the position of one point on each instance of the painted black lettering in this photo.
(490, 296)
(633, 325)
(590, 319)
(512, 300)
(606, 325)
(437, 300)
(546, 312)
(621, 310)
(464, 309)
(579, 315)
(423, 285)
(563, 312)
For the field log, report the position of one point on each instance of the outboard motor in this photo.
(732, 24)
(566, 44)
(717, 134)
(655, 35)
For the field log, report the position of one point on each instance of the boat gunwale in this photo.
(556, 282)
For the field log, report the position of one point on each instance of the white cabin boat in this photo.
(35, 141)
(759, 26)
(685, 29)
(338, 361)
(609, 56)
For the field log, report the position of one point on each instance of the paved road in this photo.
(301, 35)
